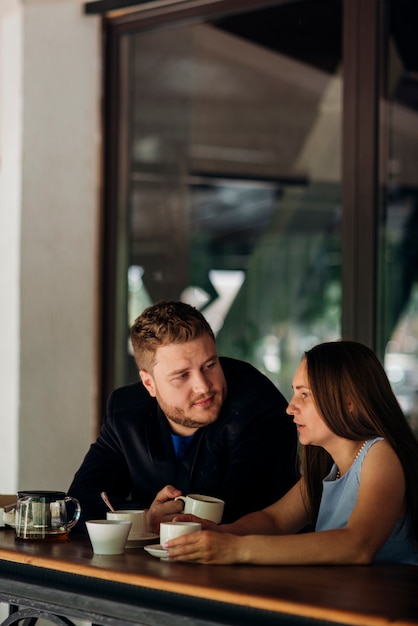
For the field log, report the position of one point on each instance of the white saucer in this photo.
(139, 541)
(157, 550)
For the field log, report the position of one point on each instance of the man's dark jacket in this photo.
(248, 457)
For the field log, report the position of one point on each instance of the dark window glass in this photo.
(399, 289)
(233, 193)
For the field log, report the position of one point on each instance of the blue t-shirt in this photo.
(338, 500)
(181, 444)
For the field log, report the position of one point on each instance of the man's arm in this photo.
(104, 468)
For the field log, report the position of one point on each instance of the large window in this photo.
(261, 163)
(232, 196)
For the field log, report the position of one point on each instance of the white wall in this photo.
(10, 204)
(49, 219)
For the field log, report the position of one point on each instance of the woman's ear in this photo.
(148, 382)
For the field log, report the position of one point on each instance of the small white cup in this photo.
(108, 536)
(170, 530)
(137, 519)
(205, 507)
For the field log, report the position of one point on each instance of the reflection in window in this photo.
(400, 251)
(234, 201)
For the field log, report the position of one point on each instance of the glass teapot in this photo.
(43, 515)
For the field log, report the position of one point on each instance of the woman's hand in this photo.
(206, 547)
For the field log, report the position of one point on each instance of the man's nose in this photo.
(200, 383)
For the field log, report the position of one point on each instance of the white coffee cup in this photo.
(170, 530)
(137, 519)
(206, 507)
(108, 536)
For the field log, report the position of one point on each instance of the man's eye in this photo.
(181, 376)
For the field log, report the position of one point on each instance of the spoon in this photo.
(107, 501)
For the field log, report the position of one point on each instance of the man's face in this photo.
(188, 383)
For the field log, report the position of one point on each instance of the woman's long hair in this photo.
(354, 397)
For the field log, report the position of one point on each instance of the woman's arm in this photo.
(380, 503)
(287, 515)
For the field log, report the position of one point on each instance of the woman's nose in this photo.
(291, 408)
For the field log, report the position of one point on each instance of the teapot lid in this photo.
(50, 495)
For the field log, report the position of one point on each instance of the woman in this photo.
(359, 482)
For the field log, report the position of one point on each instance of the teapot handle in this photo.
(77, 511)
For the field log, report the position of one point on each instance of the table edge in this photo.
(205, 592)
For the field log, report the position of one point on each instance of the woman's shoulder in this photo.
(378, 446)
(380, 456)
(373, 441)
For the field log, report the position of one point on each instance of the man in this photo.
(196, 423)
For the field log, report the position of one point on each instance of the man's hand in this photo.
(164, 508)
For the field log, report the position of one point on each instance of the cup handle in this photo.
(77, 511)
(181, 498)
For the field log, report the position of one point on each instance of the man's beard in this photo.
(178, 416)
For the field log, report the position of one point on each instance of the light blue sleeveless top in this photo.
(338, 501)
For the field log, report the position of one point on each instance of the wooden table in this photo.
(66, 579)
